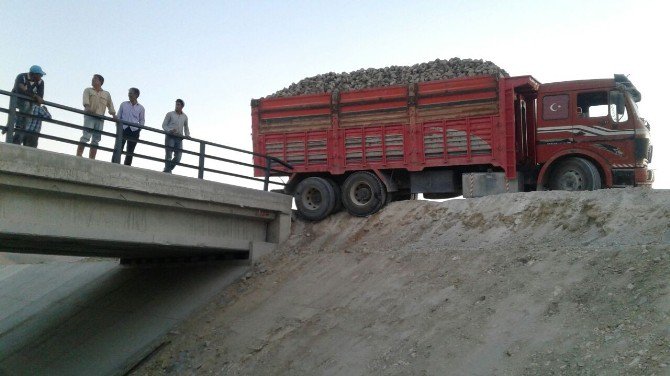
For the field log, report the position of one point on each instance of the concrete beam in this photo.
(59, 204)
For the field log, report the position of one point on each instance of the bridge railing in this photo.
(117, 150)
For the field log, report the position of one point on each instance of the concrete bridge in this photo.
(52, 203)
(85, 318)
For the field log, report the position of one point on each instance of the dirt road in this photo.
(545, 283)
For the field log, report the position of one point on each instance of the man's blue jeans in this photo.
(172, 145)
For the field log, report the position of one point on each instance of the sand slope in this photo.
(543, 283)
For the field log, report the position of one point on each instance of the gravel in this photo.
(438, 69)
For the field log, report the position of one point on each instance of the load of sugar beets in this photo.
(439, 69)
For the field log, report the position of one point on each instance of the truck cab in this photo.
(590, 135)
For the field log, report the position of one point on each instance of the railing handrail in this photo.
(136, 125)
(269, 159)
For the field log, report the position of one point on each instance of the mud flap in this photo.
(479, 184)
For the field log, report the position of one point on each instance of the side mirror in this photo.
(620, 101)
(621, 105)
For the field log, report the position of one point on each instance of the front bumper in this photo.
(632, 177)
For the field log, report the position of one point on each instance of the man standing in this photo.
(95, 102)
(175, 124)
(29, 84)
(132, 112)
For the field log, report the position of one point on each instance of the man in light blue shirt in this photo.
(132, 112)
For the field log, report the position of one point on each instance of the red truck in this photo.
(471, 136)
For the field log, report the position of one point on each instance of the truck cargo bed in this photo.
(438, 123)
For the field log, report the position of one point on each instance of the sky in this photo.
(218, 55)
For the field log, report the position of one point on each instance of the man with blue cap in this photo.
(31, 85)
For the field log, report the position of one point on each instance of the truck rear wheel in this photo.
(575, 174)
(314, 198)
(338, 195)
(363, 194)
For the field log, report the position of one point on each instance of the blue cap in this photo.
(37, 70)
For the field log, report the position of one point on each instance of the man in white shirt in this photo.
(132, 112)
(95, 101)
(175, 124)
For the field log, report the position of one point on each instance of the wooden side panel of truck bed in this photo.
(438, 123)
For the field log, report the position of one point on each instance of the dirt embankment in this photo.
(546, 283)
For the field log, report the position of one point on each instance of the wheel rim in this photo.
(361, 194)
(572, 180)
(312, 199)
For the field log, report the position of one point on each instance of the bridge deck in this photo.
(53, 203)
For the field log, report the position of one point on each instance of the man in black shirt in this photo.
(29, 84)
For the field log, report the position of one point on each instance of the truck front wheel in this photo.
(314, 198)
(363, 194)
(575, 174)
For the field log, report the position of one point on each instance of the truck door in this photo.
(601, 116)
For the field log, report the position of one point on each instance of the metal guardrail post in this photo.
(11, 119)
(201, 161)
(116, 156)
(268, 163)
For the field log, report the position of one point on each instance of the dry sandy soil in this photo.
(544, 283)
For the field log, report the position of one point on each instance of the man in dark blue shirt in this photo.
(29, 84)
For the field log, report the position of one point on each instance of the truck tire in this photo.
(314, 198)
(338, 195)
(363, 194)
(575, 174)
